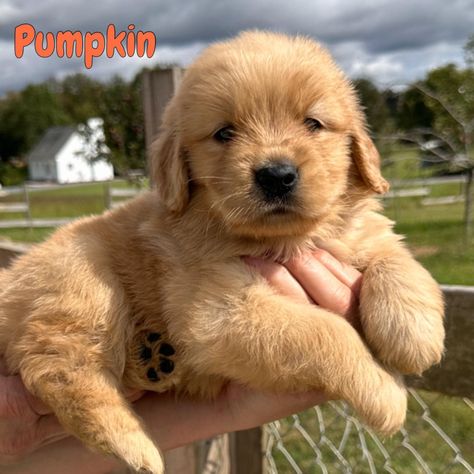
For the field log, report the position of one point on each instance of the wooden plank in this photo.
(181, 460)
(213, 456)
(455, 375)
(124, 192)
(9, 251)
(438, 201)
(36, 223)
(158, 88)
(428, 181)
(246, 452)
(14, 207)
(415, 192)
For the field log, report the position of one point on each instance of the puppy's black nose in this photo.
(277, 179)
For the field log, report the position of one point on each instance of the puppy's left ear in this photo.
(169, 171)
(367, 160)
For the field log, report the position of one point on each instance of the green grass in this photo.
(68, 201)
(26, 235)
(436, 236)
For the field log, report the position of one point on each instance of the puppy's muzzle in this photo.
(277, 180)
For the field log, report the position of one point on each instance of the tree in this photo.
(448, 93)
(25, 116)
(374, 103)
(80, 97)
(469, 51)
(413, 111)
(121, 109)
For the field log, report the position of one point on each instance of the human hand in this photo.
(26, 423)
(315, 278)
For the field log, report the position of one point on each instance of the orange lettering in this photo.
(69, 41)
(24, 35)
(131, 41)
(44, 52)
(147, 38)
(91, 51)
(114, 42)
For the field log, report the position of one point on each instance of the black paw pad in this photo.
(145, 353)
(153, 337)
(166, 365)
(152, 375)
(156, 356)
(166, 349)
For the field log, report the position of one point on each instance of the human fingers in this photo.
(279, 278)
(18, 402)
(20, 394)
(345, 273)
(325, 288)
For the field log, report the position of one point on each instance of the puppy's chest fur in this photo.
(157, 362)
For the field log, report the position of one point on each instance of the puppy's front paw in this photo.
(384, 407)
(390, 408)
(402, 320)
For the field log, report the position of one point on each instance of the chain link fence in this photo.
(438, 438)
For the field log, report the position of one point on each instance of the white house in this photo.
(68, 154)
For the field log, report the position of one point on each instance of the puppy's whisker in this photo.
(213, 206)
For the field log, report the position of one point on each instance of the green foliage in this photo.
(375, 104)
(25, 116)
(11, 175)
(121, 109)
(413, 110)
(453, 89)
(469, 51)
(80, 97)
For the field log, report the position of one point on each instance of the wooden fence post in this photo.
(246, 452)
(158, 86)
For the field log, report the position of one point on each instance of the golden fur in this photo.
(75, 311)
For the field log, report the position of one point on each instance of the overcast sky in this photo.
(392, 42)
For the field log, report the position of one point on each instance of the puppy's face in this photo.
(268, 131)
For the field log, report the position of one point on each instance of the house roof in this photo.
(50, 144)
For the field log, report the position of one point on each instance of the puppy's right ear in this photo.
(168, 168)
(367, 160)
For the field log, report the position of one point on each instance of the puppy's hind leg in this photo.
(89, 404)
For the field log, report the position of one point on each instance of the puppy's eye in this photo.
(312, 124)
(225, 134)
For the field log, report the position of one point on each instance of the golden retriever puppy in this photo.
(263, 151)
